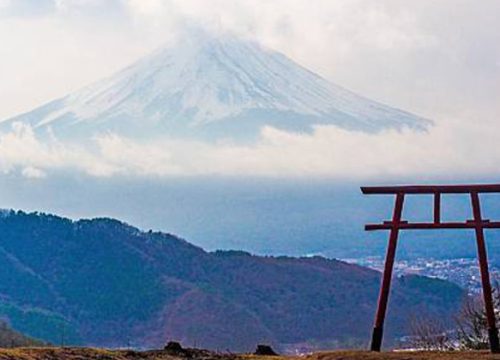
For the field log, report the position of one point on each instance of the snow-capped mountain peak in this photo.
(219, 86)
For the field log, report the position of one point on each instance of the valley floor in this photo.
(102, 354)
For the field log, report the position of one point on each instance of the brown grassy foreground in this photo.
(102, 354)
(404, 355)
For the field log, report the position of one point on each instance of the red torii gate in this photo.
(396, 224)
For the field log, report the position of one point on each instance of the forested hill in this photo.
(103, 282)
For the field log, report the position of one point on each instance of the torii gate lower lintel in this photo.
(397, 224)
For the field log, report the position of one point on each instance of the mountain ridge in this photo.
(106, 283)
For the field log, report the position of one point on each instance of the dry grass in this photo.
(102, 354)
(404, 355)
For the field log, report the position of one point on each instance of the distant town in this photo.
(461, 271)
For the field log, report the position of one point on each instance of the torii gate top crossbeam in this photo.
(431, 189)
(435, 190)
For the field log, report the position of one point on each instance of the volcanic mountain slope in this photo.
(106, 283)
(208, 87)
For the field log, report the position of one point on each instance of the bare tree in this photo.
(472, 326)
(471, 333)
(429, 333)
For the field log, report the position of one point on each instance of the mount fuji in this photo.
(207, 87)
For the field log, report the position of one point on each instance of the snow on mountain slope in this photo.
(211, 87)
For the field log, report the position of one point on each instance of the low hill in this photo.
(10, 338)
(102, 282)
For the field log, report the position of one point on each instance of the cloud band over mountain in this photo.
(327, 152)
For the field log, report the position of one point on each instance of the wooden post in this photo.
(437, 208)
(485, 276)
(378, 329)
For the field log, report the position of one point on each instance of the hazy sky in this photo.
(437, 58)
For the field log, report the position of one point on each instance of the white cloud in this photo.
(447, 150)
(5, 4)
(33, 173)
(146, 7)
